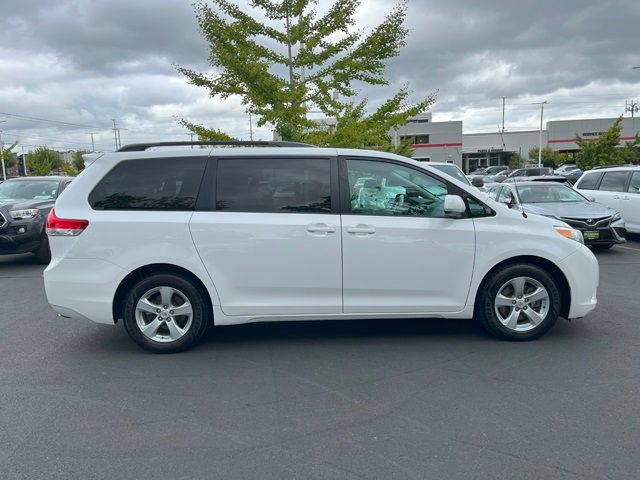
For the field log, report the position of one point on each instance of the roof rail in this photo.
(141, 147)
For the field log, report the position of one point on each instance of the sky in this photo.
(68, 68)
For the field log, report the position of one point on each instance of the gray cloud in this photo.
(87, 62)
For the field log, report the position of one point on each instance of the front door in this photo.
(630, 204)
(272, 242)
(401, 254)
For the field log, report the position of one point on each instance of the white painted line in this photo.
(629, 248)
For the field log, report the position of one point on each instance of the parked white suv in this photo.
(174, 241)
(617, 188)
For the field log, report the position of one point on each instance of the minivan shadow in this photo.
(344, 329)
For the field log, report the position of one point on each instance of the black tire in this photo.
(201, 318)
(43, 253)
(486, 310)
(602, 246)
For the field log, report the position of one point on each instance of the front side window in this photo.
(589, 181)
(381, 188)
(634, 186)
(274, 185)
(614, 181)
(506, 196)
(150, 184)
(453, 171)
(493, 193)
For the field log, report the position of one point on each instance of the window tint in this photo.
(589, 181)
(614, 181)
(477, 208)
(298, 185)
(150, 184)
(380, 188)
(634, 186)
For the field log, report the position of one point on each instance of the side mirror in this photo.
(477, 182)
(454, 206)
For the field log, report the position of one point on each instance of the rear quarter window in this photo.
(589, 181)
(614, 181)
(150, 184)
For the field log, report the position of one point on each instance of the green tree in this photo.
(9, 157)
(550, 158)
(69, 169)
(42, 160)
(78, 161)
(606, 149)
(515, 161)
(299, 60)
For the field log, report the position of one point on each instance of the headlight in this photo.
(616, 217)
(571, 233)
(22, 214)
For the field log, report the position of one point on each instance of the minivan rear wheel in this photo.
(165, 313)
(519, 302)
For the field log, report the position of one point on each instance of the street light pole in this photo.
(540, 140)
(4, 170)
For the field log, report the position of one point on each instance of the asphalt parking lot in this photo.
(433, 399)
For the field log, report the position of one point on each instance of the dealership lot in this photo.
(384, 399)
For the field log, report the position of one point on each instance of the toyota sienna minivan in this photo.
(173, 241)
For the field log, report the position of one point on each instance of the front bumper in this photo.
(583, 274)
(20, 236)
(602, 233)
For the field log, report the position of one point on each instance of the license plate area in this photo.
(591, 235)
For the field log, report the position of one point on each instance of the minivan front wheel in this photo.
(165, 313)
(519, 302)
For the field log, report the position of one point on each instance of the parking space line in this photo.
(630, 248)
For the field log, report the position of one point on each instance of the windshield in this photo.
(453, 171)
(29, 190)
(543, 193)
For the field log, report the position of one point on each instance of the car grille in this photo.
(588, 223)
(3, 221)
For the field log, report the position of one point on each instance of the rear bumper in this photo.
(82, 288)
(583, 274)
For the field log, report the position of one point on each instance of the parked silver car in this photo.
(601, 226)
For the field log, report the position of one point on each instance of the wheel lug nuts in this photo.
(157, 310)
(514, 302)
(524, 308)
(171, 312)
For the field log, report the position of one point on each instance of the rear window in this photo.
(150, 184)
(589, 181)
(273, 185)
(614, 181)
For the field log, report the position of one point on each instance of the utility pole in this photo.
(93, 148)
(631, 106)
(24, 162)
(503, 100)
(250, 127)
(119, 141)
(115, 132)
(540, 140)
(191, 137)
(4, 170)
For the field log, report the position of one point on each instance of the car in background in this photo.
(500, 177)
(482, 182)
(616, 187)
(565, 168)
(601, 226)
(452, 170)
(496, 169)
(25, 203)
(572, 176)
(531, 172)
(541, 178)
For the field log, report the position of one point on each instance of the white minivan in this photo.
(173, 241)
(617, 188)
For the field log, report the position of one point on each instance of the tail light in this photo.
(63, 226)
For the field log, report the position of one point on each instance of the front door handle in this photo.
(361, 229)
(321, 229)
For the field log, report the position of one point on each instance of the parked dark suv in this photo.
(24, 205)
